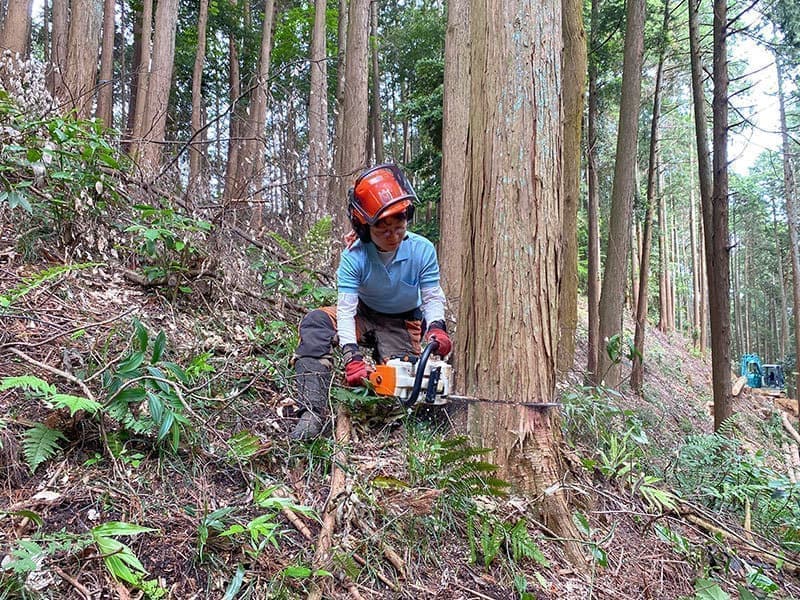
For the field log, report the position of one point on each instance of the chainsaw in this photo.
(407, 379)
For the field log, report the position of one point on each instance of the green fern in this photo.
(75, 403)
(39, 444)
(29, 383)
(522, 544)
(31, 283)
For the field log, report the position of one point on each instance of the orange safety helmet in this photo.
(379, 192)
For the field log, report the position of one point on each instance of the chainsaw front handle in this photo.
(432, 346)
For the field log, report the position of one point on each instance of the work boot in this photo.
(313, 383)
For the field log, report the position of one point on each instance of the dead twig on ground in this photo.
(322, 555)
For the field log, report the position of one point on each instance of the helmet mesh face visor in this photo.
(381, 192)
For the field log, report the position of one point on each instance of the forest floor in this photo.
(232, 508)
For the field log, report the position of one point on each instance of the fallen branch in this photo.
(788, 427)
(81, 589)
(322, 555)
(762, 553)
(55, 371)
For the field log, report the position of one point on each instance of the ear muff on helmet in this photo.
(380, 192)
(361, 229)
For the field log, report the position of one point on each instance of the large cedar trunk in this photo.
(612, 296)
(508, 323)
(573, 86)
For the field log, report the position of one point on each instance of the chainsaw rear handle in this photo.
(432, 346)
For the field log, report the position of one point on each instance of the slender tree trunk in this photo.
(783, 337)
(593, 209)
(703, 288)
(717, 227)
(573, 88)
(58, 44)
(197, 185)
(105, 89)
(696, 281)
(512, 293)
(637, 370)
(232, 187)
(317, 119)
(254, 145)
(160, 82)
(612, 295)
(791, 211)
(15, 29)
(83, 44)
(376, 119)
(142, 79)
(454, 142)
(351, 144)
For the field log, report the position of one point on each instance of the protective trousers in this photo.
(389, 335)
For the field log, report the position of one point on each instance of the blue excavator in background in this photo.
(762, 375)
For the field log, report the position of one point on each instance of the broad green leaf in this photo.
(113, 528)
(297, 572)
(235, 585)
(158, 347)
(708, 589)
(131, 364)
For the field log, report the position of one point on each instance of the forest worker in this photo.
(388, 290)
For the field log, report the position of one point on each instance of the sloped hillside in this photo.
(144, 454)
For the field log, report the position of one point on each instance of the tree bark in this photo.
(235, 124)
(58, 44)
(376, 126)
(509, 300)
(663, 268)
(159, 83)
(783, 334)
(254, 144)
(637, 370)
(612, 295)
(83, 43)
(105, 87)
(717, 244)
(696, 280)
(573, 85)
(350, 155)
(197, 185)
(16, 27)
(317, 119)
(454, 143)
(791, 209)
(142, 78)
(593, 209)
